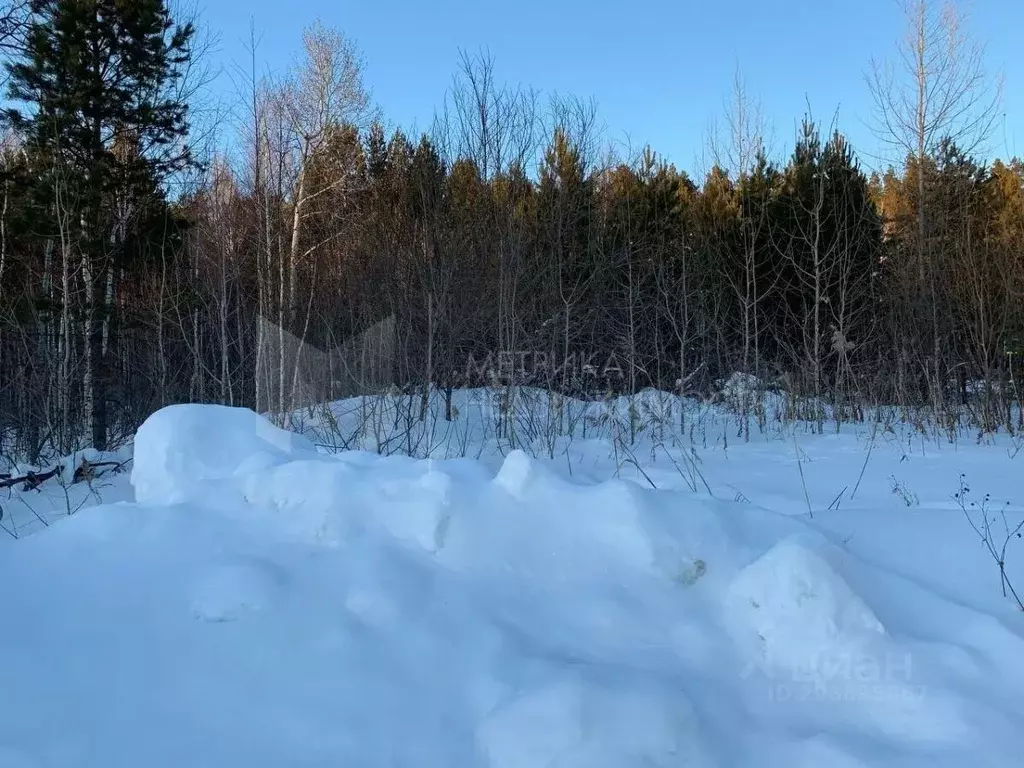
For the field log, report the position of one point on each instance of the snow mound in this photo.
(181, 448)
(278, 606)
(516, 471)
(802, 613)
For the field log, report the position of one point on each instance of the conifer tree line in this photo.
(137, 270)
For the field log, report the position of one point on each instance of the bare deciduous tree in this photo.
(936, 90)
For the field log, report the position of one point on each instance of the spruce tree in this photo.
(100, 81)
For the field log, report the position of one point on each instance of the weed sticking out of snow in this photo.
(997, 531)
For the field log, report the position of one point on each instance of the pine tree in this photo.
(828, 235)
(101, 84)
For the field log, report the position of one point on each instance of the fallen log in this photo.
(32, 480)
(87, 471)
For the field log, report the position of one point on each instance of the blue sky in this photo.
(660, 70)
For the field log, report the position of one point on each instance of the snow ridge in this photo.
(263, 604)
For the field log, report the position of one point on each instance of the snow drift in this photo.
(262, 604)
(180, 449)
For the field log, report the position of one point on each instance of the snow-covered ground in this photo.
(648, 592)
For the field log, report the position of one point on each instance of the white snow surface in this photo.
(262, 603)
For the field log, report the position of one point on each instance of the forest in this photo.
(511, 245)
